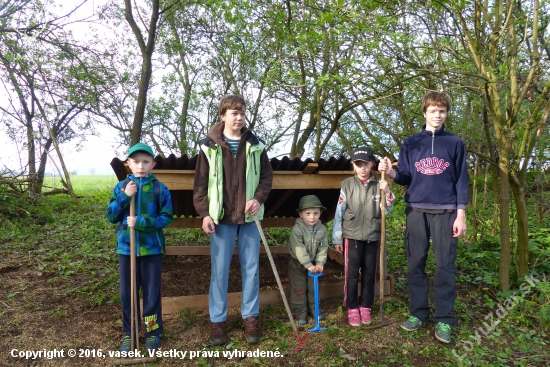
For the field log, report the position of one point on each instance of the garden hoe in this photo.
(134, 314)
(382, 260)
(302, 341)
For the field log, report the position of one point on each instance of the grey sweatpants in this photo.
(420, 228)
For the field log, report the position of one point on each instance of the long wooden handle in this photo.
(283, 295)
(382, 249)
(134, 315)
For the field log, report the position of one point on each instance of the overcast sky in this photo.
(97, 152)
(95, 156)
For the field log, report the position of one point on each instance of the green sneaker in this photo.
(443, 332)
(412, 324)
(152, 342)
(126, 343)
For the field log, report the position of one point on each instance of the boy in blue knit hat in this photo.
(153, 213)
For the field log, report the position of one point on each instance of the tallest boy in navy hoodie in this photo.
(432, 164)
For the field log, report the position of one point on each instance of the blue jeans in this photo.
(420, 227)
(222, 244)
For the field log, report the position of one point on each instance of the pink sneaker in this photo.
(353, 317)
(365, 315)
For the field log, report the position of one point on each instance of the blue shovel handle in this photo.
(316, 295)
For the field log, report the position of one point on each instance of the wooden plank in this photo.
(266, 223)
(184, 179)
(278, 222)
(388, 287)
(310, 168)
(178, 171)
(176, 179)
(205, 250)
(186, 223)
(306, 181)
(336, 256)
(349, 173)
(171, 305)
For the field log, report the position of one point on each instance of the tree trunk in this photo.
(146, 72)
(34, 186)
(523, 227)
(494, 173)
(295, 151)
(496, 203)
(299, 148)
(483, 205)
(473, 202)
(147, 50)
(505, 243)
(53, 139)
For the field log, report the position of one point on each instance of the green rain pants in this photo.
(301, 290)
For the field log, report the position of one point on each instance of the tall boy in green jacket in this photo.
(233, 179)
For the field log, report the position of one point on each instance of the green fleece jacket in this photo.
(307, 246)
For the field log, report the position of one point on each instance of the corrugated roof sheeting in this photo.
(280, 203)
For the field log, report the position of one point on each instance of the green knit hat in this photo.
(310, 201)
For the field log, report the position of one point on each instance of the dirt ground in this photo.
(42, 317)
(177, 270)
(39, 315)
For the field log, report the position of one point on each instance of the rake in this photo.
(382, 261)
(134, 314)
(301, 341)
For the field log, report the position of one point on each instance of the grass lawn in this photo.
(83, 184)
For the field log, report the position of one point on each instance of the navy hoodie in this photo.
(433, 165)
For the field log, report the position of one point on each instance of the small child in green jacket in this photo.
(308, 248)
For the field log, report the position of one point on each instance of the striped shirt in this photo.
(233, 144)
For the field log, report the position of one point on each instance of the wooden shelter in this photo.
(292, 179)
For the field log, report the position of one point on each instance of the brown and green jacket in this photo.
(233, 185)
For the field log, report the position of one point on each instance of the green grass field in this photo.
(84, 184)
